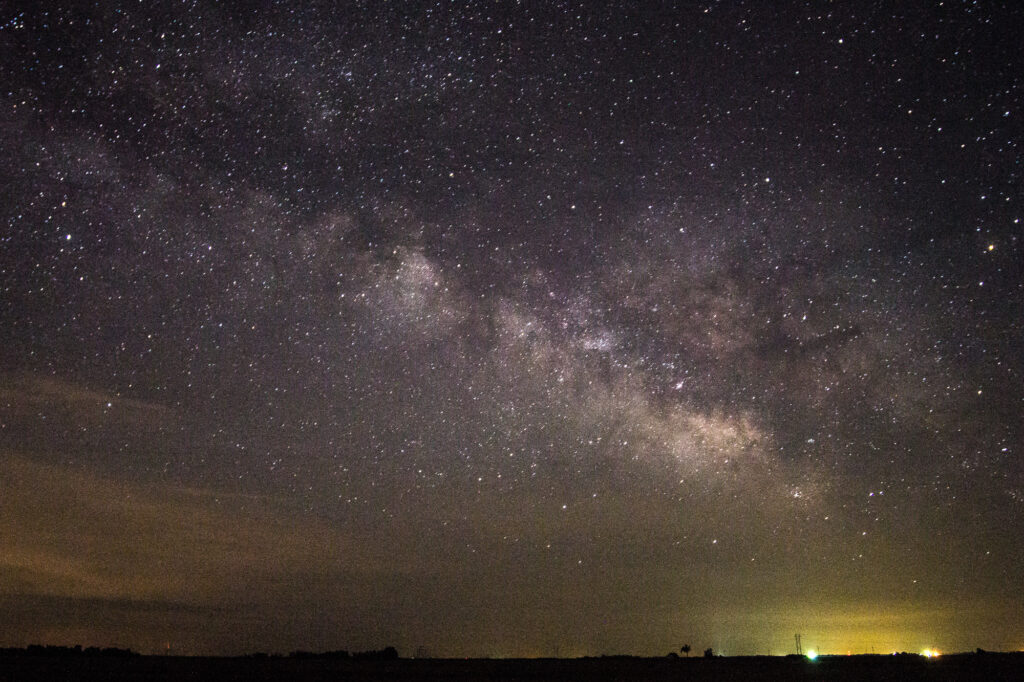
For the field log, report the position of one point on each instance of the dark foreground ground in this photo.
(987, 667)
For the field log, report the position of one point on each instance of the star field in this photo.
(512, 328)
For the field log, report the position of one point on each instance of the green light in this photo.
(811, 655)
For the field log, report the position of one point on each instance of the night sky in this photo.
(512, 328)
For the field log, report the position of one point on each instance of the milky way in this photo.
(512, 329)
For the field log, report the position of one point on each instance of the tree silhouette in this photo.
(709, 653)
(685, 649)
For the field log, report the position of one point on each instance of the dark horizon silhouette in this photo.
(38, 662)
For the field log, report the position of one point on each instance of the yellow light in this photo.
(811, 654)
(930, 653)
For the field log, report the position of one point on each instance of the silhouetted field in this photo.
(988, 667)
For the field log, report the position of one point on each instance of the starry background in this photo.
(512, 328)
